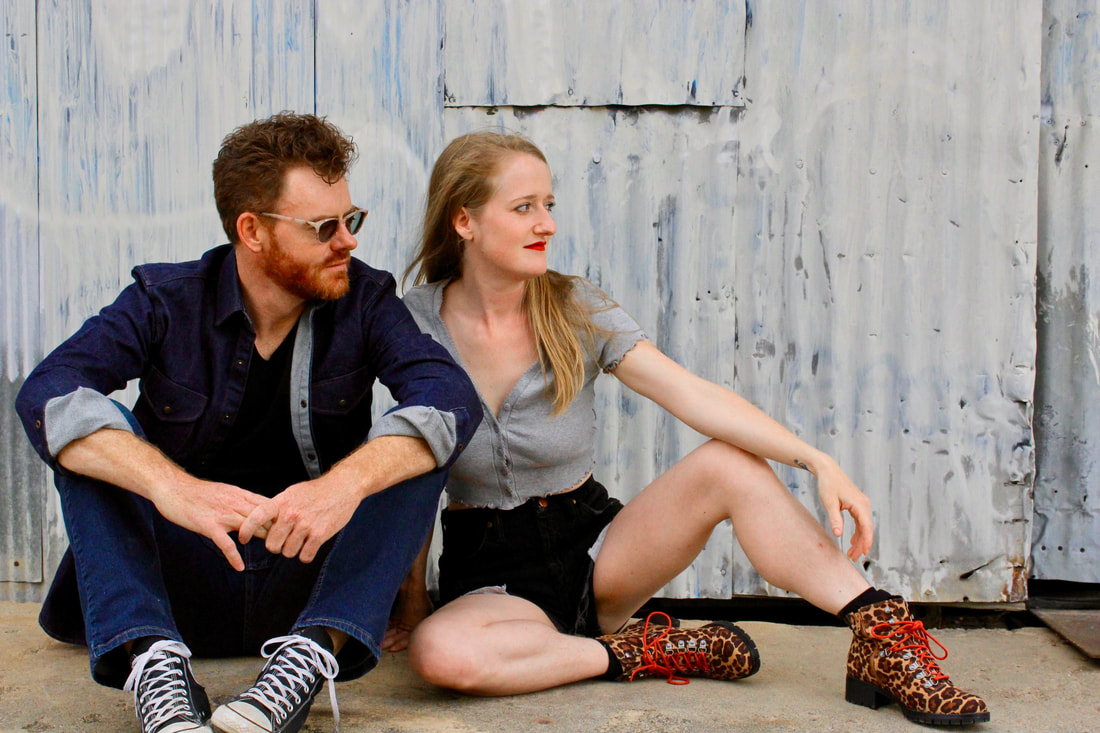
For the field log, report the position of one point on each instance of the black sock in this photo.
(866, 598)
(142, 644)
(614, 669)
(318, 634)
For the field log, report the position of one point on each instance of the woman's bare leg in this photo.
(493, 644)
(662, 530)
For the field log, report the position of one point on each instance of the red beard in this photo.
(308, 282)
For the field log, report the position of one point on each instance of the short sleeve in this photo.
(616, 330)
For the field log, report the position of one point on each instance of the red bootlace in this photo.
(667, 662)
(911, 636)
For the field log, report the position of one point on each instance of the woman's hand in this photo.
(409, 608)
(838, 494)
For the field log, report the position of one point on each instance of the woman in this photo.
(539, 566)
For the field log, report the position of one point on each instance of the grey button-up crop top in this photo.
(525, 451)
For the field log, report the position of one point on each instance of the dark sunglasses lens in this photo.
(327, 230)
(355, 222)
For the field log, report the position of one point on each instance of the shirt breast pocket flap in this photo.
(169, 401)
(341, 395)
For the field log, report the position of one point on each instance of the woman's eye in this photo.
(523, 207)
(550, 206)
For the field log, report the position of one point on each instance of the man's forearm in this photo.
(122, 459)
(382, 462)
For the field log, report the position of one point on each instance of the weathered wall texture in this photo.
(832, 211)
(22, 475)
(1067, 395)
(853, 250)
(886, 249)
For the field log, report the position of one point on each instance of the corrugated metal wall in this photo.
(830, 209)
(1067, 395)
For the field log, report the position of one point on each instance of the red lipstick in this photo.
(537, 246)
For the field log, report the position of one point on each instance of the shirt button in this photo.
(342, 403)
(167, 409)
(303, 403)
(38, 423)
(240, 362)
(311, 456)
(227, 417)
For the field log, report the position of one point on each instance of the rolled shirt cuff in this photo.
(79, 414)
(420, 421)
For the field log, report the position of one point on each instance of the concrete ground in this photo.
(1032, 680)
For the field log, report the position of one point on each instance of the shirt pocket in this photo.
(338, 396)
(173, 408)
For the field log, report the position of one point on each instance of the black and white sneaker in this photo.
(166, 697)
(279, 701)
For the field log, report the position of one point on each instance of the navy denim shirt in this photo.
(182, 330)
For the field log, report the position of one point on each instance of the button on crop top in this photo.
(525, 451)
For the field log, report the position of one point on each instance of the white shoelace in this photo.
(278, 687)
(166, 686)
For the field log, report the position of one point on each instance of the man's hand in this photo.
(211, 509)
(306, 515)
(302, 518)
(122, 459)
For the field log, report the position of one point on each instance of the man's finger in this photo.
(308, 551)
(261, 516)
(229, 549)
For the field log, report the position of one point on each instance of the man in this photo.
(256, 365)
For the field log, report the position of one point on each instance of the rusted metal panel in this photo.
(1067, 425)
(572, 52)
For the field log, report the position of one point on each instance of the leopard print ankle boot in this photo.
(890, 661)
(654, 648)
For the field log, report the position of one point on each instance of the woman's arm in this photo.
(719, 413)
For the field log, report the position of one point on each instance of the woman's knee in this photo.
(723, 463)
(438, 652)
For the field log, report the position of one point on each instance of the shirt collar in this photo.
(230, 297)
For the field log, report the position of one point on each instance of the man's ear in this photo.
(251, 231)
(461, 223)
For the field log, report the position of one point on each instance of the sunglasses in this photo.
(326, 228)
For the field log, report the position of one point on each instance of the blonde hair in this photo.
(463, 176)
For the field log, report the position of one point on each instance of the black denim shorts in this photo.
(537, 551)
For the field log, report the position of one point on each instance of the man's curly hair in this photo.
(254, 159)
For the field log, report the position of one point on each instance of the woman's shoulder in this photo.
(423, 302)
(421, 296)
(588, 294)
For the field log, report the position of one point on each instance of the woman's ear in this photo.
(250, 232)
(461, 222)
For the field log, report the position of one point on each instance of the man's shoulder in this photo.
(369, 282)
(153, 274)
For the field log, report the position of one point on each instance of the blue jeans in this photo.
(130, 573)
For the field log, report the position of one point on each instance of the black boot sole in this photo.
(862, 693)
